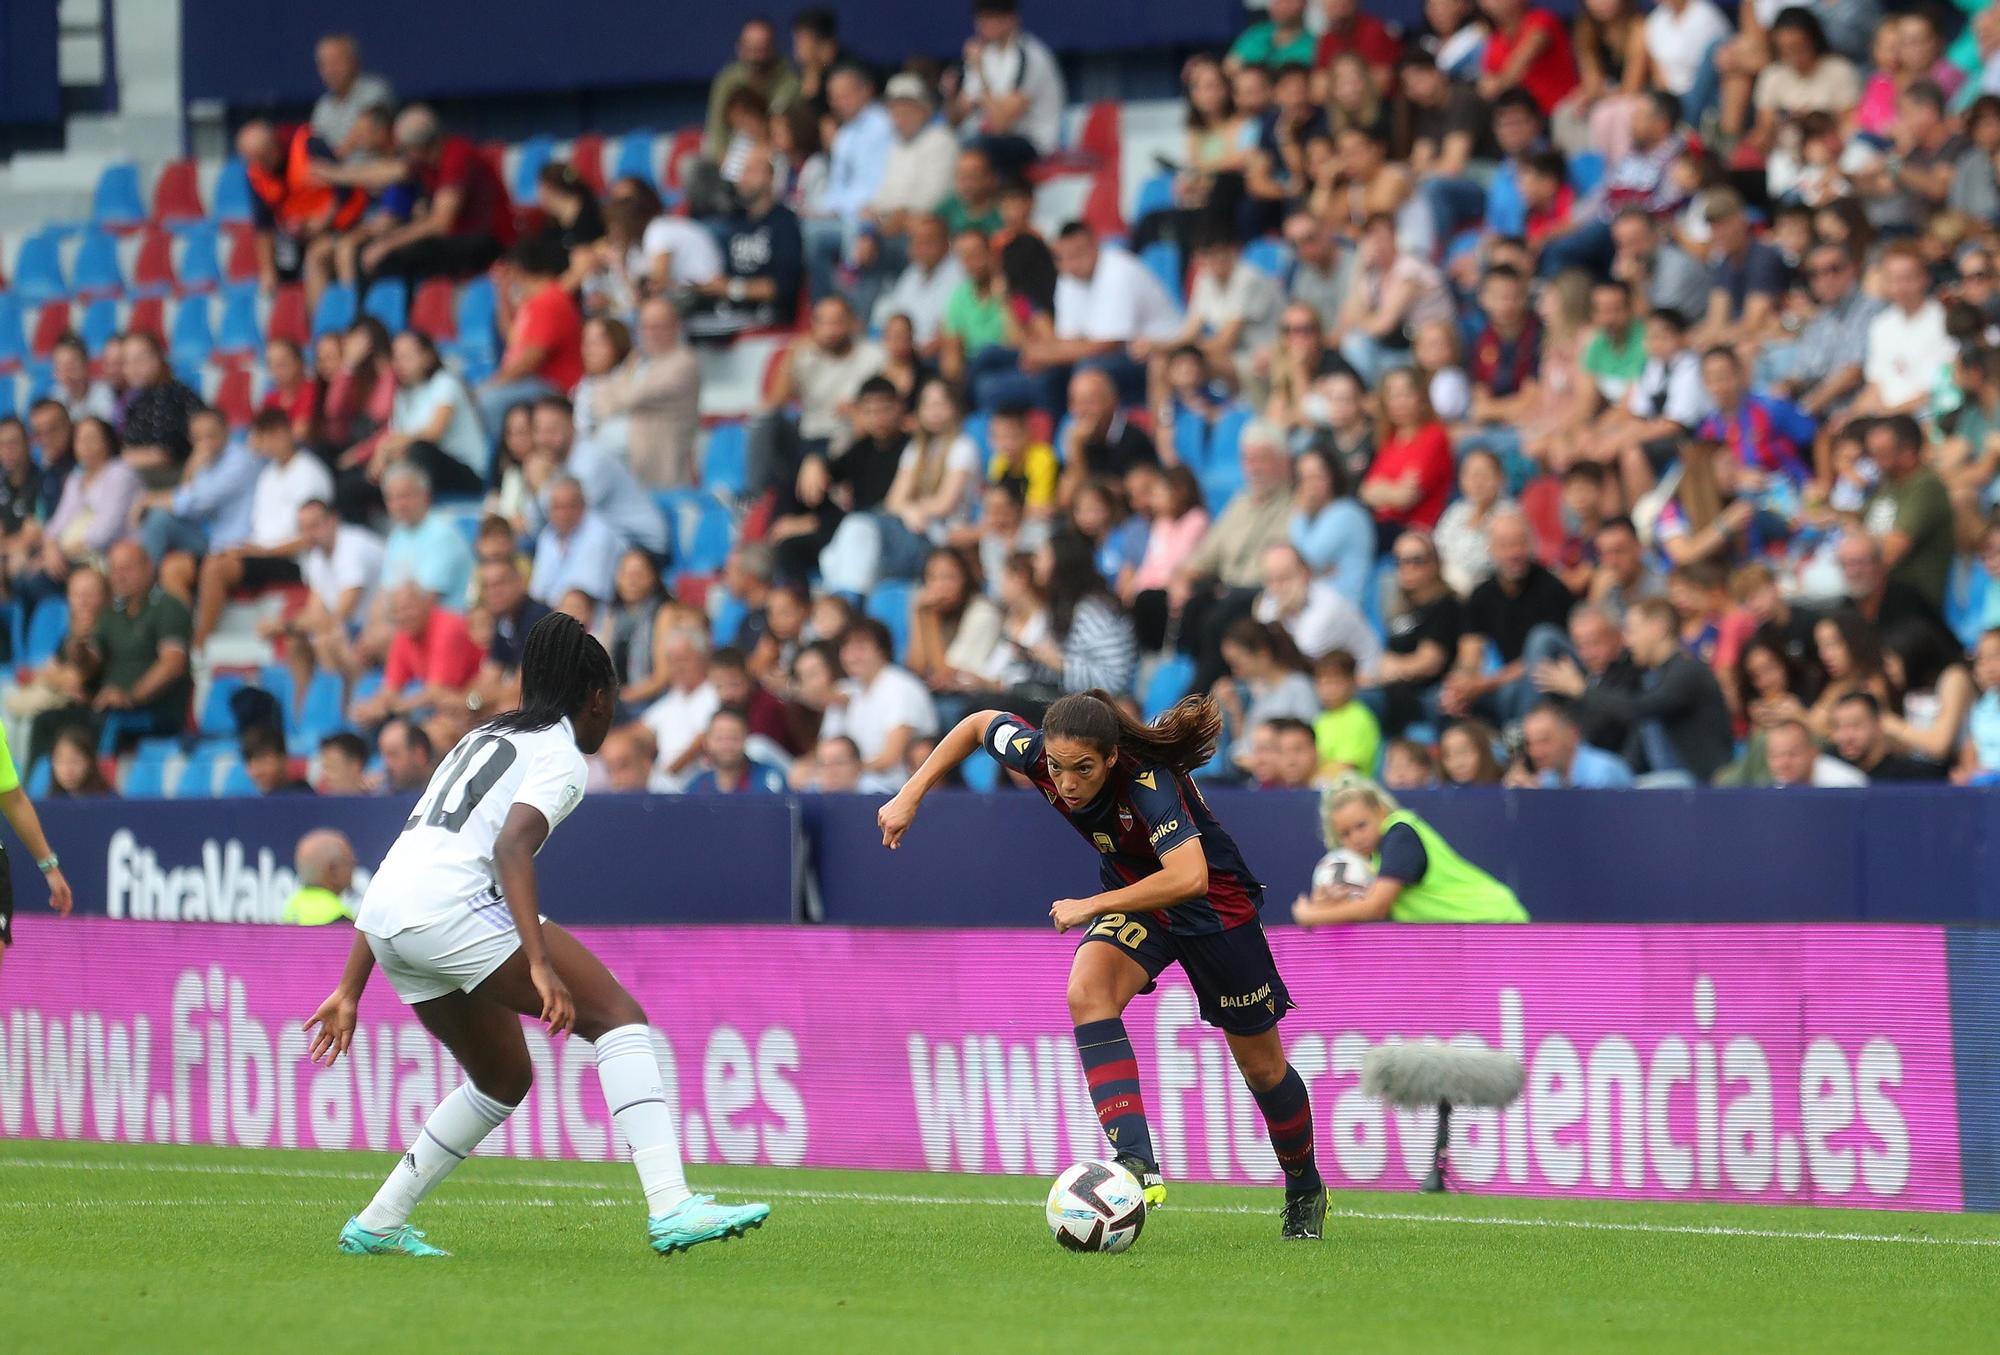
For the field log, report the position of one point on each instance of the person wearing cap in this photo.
(916, 179)
(1746, 277)
(324, 861)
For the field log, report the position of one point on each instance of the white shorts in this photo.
(453, 953)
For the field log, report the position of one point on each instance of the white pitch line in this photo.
(1008, 1202)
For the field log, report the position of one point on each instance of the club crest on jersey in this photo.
(1125, 818)
(1148, 780)
(1104, 843)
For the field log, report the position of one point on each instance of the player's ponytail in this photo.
(1182, 739)
(562, 666)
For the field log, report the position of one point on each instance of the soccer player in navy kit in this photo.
(1176, 890)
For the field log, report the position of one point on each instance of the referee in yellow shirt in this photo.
(27, 825)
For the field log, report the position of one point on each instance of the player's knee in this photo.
(1262, 1067)
(508, 1086)
(1090, 999)
(614, 1014)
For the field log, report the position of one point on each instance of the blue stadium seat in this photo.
(38, 275)
(239, 331)
(235, 778)
(97, 272)
(335, 311)
(1155, 195)
(45, 633)
(1225, 440)
(634, 158)
(200, 267)
(388, 301)
(535, 152)
(1168, 684)
(890, 604)
(321, 713)
(1965, 601)
(192, 341)
(1163, 257)
(13, 339)
(120, 725)
(1586, 170)
(41, 776)
(216, 717)
(1371, 602)
(478, 342)
(979, 427)
(700, 529)
(198, 776)
(1272, 256)
(725, 467)
(117, 204)
(146, 777)
(728, 619)
(232, 194)
(1191, 440)
(99, 325)
(980, 773)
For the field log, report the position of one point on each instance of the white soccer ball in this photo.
(1097, 1206)
(1342, 869)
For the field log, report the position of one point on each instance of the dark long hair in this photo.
(1073, 579)
(1181, 740)
(562, 667)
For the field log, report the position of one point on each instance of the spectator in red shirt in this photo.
(544, 354)
(292, 387)
(1350, 30)
(1410, 479)
(433, 654)
(1546, 193)
(468, 221)
(1528, 49)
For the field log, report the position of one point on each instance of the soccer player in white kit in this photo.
(452, 918)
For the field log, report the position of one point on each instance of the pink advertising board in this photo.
(1755, 1064)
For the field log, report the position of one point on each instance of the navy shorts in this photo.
(1235, 980)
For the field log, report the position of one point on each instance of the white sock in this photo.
(633, 1088)
(454, 1129)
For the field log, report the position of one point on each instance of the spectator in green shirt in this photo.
(1616, 353)
(974, 204)
(1347, 733)
(1910, 512)
(758, 66)
(144, 640)
(975, 314)
(1281, 40)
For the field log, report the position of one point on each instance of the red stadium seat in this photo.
(177, 196)
(1098, 137)
(148, 316)
(586, 157)
(686, 145)
(241, 264)
(288, 319)
(153, 270)
(435, 310)
(233, 397)
(51, 323)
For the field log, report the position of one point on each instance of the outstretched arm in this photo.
(1371, 905)
(27, 825)
(336, 1016)
(954, 748)
(1183, 875)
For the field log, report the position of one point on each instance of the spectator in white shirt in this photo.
(917, 177)
(575, 551)
(1110, 313)
(290, 478)
(1312, 611)
(1011, 100)
(349, 91)
(681, 254)
(925, 286)
(1907, 343)
(679, 719)
(884, 706)
(1232, 310)
(1795, 760)
(340, 564)
(856, 162)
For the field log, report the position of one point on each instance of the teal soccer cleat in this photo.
(402, 1241)
(700, 1219)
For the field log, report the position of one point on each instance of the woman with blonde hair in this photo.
(1412, 875)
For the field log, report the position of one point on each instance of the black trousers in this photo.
(357, 498)
(437, 256)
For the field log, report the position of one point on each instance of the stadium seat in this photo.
(700, 528)
(1965, 601)
(335, 311)
(38, 274)
(728, 619)
(51, 323)
(1163, 258)
(11, 400)
(1586, 169)
(117, 204)
(235, 398)
(146, 777)
(1155, 195)
(192, 340)
(1191, 440)
(478, 340)
(433, 311)
(725, 466)
(238, 331)
(388, 300)
(200, 268)
(236, 780)
(45, 633)
(287, 319)
(634, 158)
(685, 146)
(980, 773)
(147, 315)
(153, 269)
(240, 265)
(322, 713)
(232, 194)
(586, 157)
(216, 717)
(529, 157)
(1271, 256)
(99, 324)
(197, 779)
(1168, 684)
(96, 271)
(13, 339)
(177, 195)
(42, 776)
(890, 604)
(120, 725)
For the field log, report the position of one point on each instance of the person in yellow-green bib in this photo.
(20, 814)
(324, 861)
(1417, 876)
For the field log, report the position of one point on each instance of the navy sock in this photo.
(1288, 1113)
(1113, 1074)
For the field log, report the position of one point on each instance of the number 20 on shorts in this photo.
(1113, 926)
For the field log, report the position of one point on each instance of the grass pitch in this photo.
(160, 1249)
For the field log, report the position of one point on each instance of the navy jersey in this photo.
(1144, 812)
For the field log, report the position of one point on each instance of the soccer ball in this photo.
(1097, 1206)
(1342, 869)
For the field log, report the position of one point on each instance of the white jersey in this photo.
(443, 862)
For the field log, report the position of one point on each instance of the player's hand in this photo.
(60, 897)
(558, 1010)
(335, 1021)
(1067, 913)
(895, 819)
(1299, 907)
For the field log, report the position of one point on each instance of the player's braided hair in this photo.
(562, 665)
(1182, 739)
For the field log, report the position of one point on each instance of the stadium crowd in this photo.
(1592, 404)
